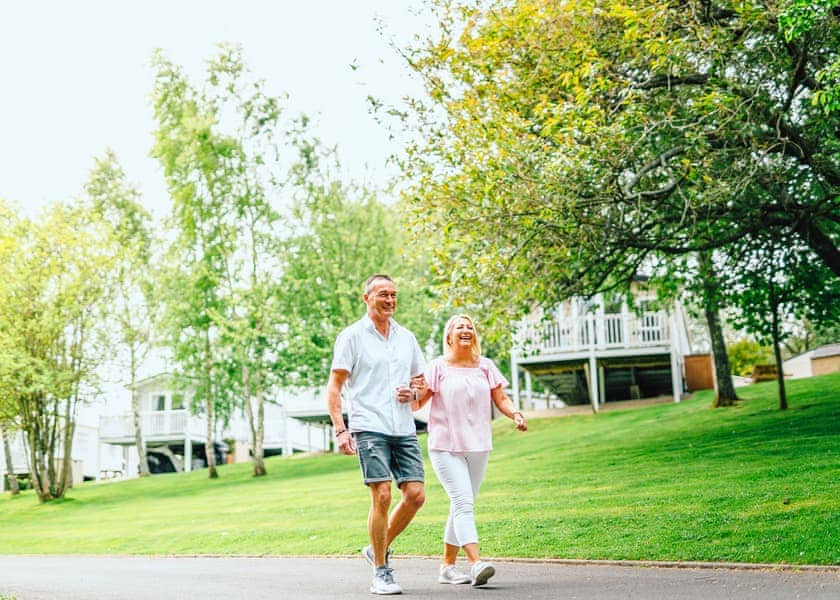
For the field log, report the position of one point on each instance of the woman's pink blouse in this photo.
(461, 409)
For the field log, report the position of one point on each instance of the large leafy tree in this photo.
(219, 147)
(52, 307)
(564, 146)
(133, 309)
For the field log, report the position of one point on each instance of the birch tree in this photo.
(132, 308)
(219, 146)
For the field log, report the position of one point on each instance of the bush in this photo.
(745, 354)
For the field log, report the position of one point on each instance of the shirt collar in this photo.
(393, 327)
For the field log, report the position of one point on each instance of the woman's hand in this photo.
(418, 384)
(519, 420)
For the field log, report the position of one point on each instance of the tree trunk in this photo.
(11, 479)
(68, 430)
(254, 423)
(725, 390)
(209, 448)
(39, 468)
(65, 476)
(142, 459)
(777, 351)
(259, 435)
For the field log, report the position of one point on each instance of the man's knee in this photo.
(380, 494)
(414, 494)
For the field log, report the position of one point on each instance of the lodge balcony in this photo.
(595, 355)
(162, 427)
(606, 333)
(157, 426)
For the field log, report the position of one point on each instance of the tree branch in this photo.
(669, 81)
(659, 161)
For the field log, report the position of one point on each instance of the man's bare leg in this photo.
(413, 497)
(378, 529)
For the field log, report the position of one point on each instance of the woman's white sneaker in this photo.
(451, 574)
(481, 571)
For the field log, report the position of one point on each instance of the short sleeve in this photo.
(343, 353)
(432, 375)
(494, 376)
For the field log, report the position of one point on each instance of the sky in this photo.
(76, 77)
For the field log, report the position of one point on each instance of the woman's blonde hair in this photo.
(447, 331)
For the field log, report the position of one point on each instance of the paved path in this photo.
(140, 578)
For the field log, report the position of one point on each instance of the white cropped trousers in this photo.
(460, 474)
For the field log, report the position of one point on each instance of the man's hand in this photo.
(346, 443)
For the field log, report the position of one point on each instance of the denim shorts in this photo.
(381, 456)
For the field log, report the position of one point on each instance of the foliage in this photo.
(772, 281)
(745, 353)
(564, 147)
(796, 21)
(649, 498)
(197, 163)
(133, 308)
(52, 304)
(343, 235)
(220, 145)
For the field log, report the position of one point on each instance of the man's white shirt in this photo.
(377, 366)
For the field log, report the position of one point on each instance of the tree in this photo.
(219, 149)
(776, 281)
(343, 235)
(567, 145)
(118, 204)
(745, 353)
(51, 309)
(8, 409)
(807, 335)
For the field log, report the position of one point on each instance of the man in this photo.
(376, 359)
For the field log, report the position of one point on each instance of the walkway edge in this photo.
(661, 564)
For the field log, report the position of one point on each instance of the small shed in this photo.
(826, 359)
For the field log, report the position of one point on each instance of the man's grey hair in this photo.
(372, 278)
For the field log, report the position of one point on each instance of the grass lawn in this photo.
(668, 482)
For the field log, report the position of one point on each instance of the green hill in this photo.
(668, 482)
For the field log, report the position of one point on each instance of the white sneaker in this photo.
(383, 582)
(451, 574)
(481, 571)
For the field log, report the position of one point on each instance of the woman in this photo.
(462, 384)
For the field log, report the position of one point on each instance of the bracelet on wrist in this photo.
(339, 432)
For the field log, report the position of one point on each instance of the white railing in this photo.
(608, 331)
(155, 424)
(292, 433)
